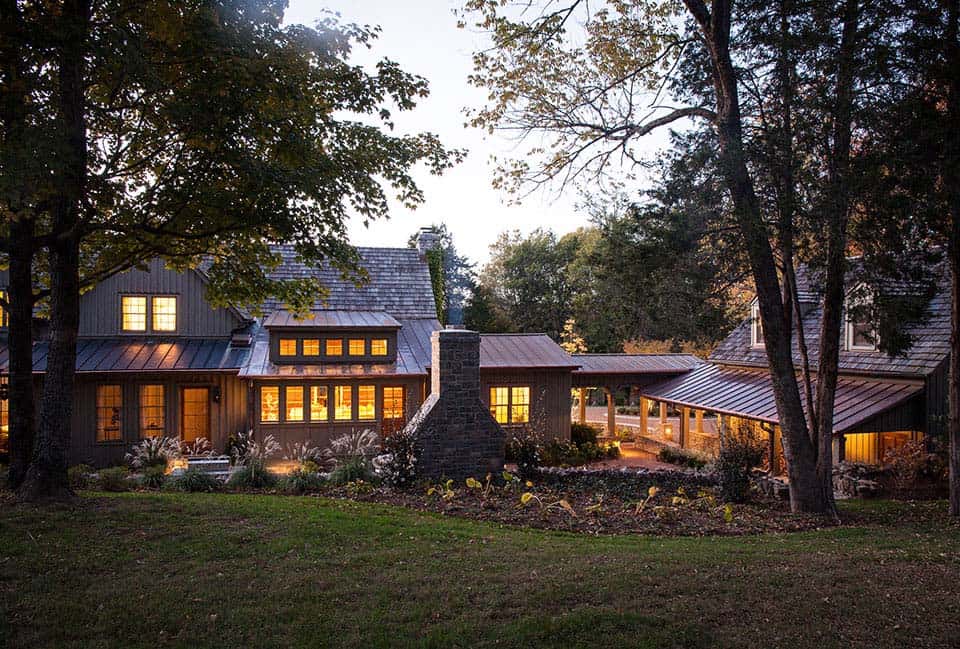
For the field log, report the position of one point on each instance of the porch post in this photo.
(684, 427)
(643, 416)
(611, 412)
(583, 405)
(663, 413)
(698, 415)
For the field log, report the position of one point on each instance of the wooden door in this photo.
(194, 414)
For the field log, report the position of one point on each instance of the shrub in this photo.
(79, 476)
(583, 433)
(397, 465)
(4, 476)
(681, 457)
(524, 451)
(153, 451)
(306, 453)
(357, 444)
(353, 470)
(115, 478)
(912, 465)
(558, 453)
(153, 477)
(300, 482)
(236, 446)
(739, 454)
(192, 481)
(252, 476)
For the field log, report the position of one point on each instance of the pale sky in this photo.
(422, 36)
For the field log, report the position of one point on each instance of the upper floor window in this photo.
(357, 347)
(311, 347)
(288, 346)
(159, 310)
(860, 333)
(133, 313)
(378, 347)
(756, 326)
(334, 347)
(4, 321)
(164, 313)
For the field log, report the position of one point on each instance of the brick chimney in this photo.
(456, 436)
(427, 239)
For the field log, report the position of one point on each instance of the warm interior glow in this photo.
(3, 312)
(195, 414)
(499, 404)
(177, 463)
(152, 411)
(270, 403)
(109, 404)
(393, 403)
(334, 347)
(668, 431)
(294, 403)
(366, 402)
(288, 346)
(164, 313)
(311, 347)
(283, 467)
(133, 310)
(343, 402)
(520, 405)
(318, 403)
(378, 347)
(358, 347)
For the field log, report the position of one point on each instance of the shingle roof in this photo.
(931, 345)
(143, 355)
(399, 283)
(333, 320)
(413, 357)
(634, 363)
(749, 393)
(522, 351)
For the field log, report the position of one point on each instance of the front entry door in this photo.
(195, 414)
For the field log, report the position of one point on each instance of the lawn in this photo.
(190, 570)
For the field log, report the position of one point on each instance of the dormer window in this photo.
(164, 309)
(311, 347)
(756, 326)
(133, 313)
(159, 310)
(334, 347)
(378, 347)
(357, 346)
(861, 335)
(288, 346)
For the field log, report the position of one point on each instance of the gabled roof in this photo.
(748, 393)
(333, 320)
(634, 363)
(528, 351)
(399, 283)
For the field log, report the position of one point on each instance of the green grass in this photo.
(204, 570)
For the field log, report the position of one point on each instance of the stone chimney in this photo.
(427, 239)
(456, 436)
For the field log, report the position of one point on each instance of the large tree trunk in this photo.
(951, 184)
(805, 492)
(47, 476)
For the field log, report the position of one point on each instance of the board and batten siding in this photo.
(549, 397)
(228, 417)
(100, 307)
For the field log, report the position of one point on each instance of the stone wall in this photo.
(455, 435)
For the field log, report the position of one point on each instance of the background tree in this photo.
(198, 132)
(482, 313)
(457, 273)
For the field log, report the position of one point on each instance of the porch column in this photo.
(684, 427)
(840, 448)
(611, 412)
(643, 415)
(663, 414)
(698, 415)
(583, 405)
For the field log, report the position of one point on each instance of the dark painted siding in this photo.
(937, 385)
(100, 307)
(549, 397)
(227, 417)
(907, 416)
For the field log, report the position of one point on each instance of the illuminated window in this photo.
(366, 402)
(318, 403)
(152, 411)
(378, 347)
(4, 420)
(393, 403)
(293, 410)
(519, 405)
(3, 312)
(500, 404)
(270, 403)
(510, 405)
(334, 347)
(756, 326)
(109, 412)
(343, 402)
(133, 313)
(164, 313)
(288, 346)
(358, 347)
(311, 347)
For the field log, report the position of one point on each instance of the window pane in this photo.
(133, 311)
(358, 347)
(270, 403)
(288, 346)
(334, 347)
(378, 347)
(164, 313)
(366, 402)
(318, 403)
(393, 403)
(520, 405)
(195, 417)
(109, 412)
(294, 403)
(3, 312)
(499, 407)
(343, 402)
(152, 411)
(311, 347)
(861, 333)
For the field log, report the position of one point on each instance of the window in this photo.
(378, 347)
(393, 403)
(133, 313)
(358, 347)
(343, 402)
(270, 403)
(861, 336)
(288, 346)
(519, 405)
(756, 326)
(4, 321)
(334, 347)
(293, 405)
(510, 405)
(366, 402)
(318, 403)
(164, 313)
(311, 347)
(109, 411)
(152, 411)
(4, 419)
